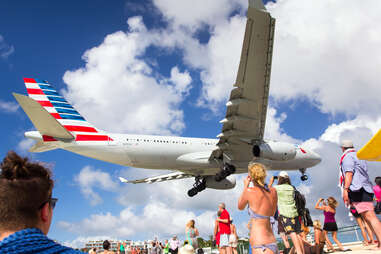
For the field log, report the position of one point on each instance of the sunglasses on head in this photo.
(52, 203)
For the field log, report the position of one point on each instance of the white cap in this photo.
(346, 143)
(283, 174)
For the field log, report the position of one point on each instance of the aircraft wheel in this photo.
(304, 177)
(192, 192)
(201, 187)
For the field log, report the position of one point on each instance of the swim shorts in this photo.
(224, 240)
(362, 207)
(291, 225)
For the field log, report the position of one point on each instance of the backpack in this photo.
(300, 202)
(307, 218)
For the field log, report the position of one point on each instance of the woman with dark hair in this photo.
(261, 202)
(26, 207)
(377, 194)
(106, 247)
(329, 209)
(288, 214)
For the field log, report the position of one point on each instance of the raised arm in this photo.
(318, 205)
(242, 201)
(271, 181)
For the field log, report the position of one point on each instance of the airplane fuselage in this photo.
(190, 155)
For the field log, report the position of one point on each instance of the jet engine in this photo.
(227, 183)
(277, 151)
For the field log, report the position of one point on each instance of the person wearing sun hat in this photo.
(186, 249)
(357, 187)
(288, 213)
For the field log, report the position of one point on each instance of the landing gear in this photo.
(198, 186)
(226, 171)
(304, 177)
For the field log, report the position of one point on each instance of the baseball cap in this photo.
(346, 143)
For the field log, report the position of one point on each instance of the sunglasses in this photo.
(52, 203)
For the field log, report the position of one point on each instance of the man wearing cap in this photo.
(357, 188)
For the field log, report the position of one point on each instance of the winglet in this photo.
(372, 150)
(258, 4)
(123, 180)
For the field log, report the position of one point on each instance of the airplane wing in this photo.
(161, 178)
(246, 110)
(372, 150)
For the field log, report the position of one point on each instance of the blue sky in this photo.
(322, 89)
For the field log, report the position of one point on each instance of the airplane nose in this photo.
(315, 157)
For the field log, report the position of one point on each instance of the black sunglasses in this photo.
(52, 203)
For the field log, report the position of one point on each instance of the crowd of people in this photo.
(26, 209)
(288, 206)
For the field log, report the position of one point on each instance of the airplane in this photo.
(210, 161)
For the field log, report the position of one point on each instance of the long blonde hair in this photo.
(257, 173)
(190, 224)
(332, 202)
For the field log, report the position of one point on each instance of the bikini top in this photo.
(254, 215)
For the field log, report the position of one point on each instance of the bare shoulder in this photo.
(273, 191)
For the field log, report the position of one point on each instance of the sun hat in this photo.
(283, 174)
(186, 249)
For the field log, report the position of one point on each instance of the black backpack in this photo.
(307, 218)
(300, 202)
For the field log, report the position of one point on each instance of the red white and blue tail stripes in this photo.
(60, 109)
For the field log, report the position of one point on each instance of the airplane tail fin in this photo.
(53, 116)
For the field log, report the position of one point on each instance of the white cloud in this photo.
(5, 49)
(117, 89)
(273, 129)
(24, 145)
(90, 178)
(328, 52)
(155, 219)
(194, 14)
(8, 107)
